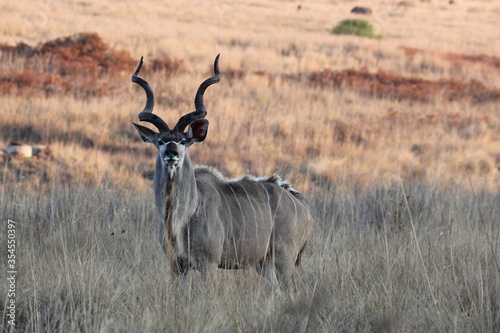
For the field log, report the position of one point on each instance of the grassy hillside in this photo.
(316, 126)
(387, 138)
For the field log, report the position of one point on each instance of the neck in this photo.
(177, 196)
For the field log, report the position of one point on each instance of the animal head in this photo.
(172, 144)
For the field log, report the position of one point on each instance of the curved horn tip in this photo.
(216, 64)
(138, 68)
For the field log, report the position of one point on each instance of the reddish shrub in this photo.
(486, 60)
(81, 64)
(386, 85)
(30, 83)
(169, 65)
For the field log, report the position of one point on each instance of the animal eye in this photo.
(160, 141)
(182, 142)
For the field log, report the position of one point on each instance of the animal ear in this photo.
(198, 130)
(146, 134)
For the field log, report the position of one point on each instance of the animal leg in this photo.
(265, 269)
(179, 268)
(209, 274)
(285, 268)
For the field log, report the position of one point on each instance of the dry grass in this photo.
(345, 118)
(408, 259)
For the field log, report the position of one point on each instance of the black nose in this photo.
(171, 153)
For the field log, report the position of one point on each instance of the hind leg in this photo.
(265, 268)
(285, 269)
(286, 276)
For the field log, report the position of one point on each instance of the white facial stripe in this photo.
(161, 143)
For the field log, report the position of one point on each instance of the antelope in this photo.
(208, 221)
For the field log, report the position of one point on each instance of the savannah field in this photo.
(394, 141)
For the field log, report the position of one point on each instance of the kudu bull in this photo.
(208, 221)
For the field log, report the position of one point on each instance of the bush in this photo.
(356, 27)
